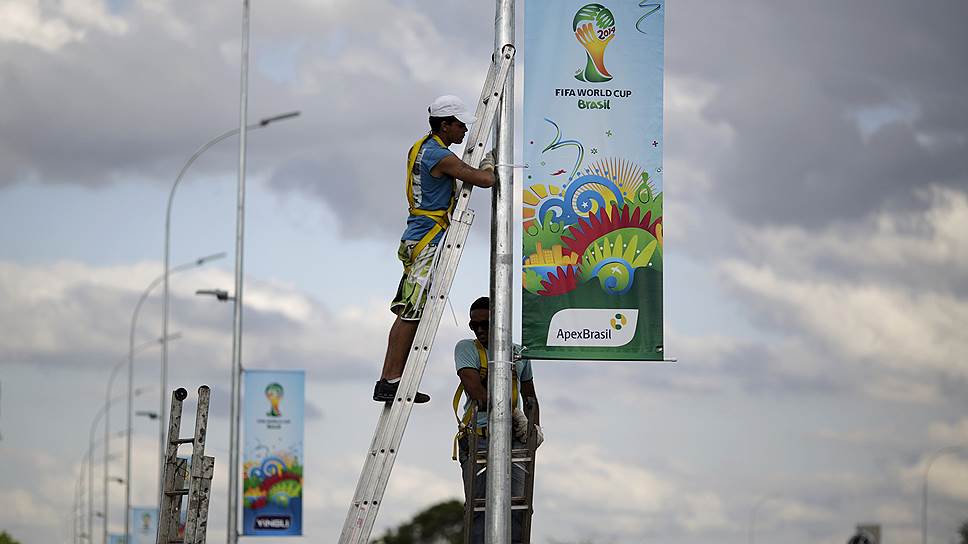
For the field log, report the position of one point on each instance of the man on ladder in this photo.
(431, 171)
(470, 359)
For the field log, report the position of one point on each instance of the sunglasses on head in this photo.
(483, 324)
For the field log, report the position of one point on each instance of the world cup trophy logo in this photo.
(594, 27)
(274, 394)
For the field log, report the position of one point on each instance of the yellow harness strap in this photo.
(440, 217)
(464, 423)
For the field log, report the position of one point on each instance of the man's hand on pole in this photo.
(487, 163)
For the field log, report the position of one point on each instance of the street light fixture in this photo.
(130, 410)
(221, 294)
(147, 413)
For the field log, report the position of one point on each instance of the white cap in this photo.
(449, 105)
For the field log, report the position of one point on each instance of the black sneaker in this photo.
(385, 391)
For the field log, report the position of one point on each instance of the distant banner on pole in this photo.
(592, 196)
(115, 539)
(143, 526)
(272, 461)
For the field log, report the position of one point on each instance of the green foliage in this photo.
(963, 532)
(443, 522)
(7, 539)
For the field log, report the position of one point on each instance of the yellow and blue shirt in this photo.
(429, 192)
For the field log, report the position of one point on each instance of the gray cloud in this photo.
(111, 107)
(792, 80)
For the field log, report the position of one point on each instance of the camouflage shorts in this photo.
(415, 283)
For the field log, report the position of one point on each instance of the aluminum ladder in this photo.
(394, 416)
(197, 474)
(521, 458)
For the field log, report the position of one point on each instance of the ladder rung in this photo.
(513, 507)
(183, 441)
(516, 499)
(176, 492)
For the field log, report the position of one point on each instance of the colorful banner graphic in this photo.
(592, 197)
(272, 458)
(143, 526)
(115, 539)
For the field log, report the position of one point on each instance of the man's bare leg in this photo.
(399, 343)
(398, 348)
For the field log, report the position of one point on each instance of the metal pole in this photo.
(90, 474)
(498, 503)
(107, 449)
(130, 408)
(924, 490)
(233, 506)
(77, 507)
(90, 489)
(166, 298)
(83, 534)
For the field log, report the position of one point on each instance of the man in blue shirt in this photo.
(431, 172)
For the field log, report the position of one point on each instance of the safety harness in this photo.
(440, 217)
(464, 423)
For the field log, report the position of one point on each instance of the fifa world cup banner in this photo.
(143, 526)
(592, 196)
(272, 459)
(115, 539)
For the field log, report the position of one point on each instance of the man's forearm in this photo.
(528, 403)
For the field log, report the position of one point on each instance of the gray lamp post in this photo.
(165, 293)
(924, 496)
(75, 530)
(90, 474)
(134, 321)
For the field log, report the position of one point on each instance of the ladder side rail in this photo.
(414, 370)
(366, 505)
(393, 420)
(167, 508)
(470, 475)
(529, 478)
(388, 443)
(200, 497)
(490, 100)
(198, 464)
(373, 481)
(359, 506)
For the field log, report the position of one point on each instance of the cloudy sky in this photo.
(816, 178)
